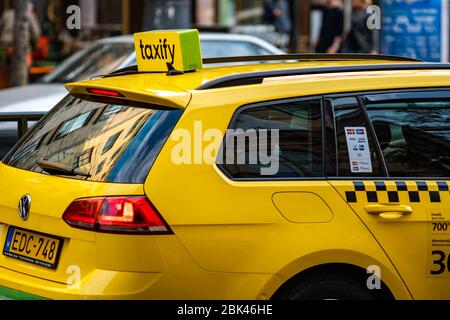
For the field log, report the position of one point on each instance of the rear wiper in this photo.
(55, 168)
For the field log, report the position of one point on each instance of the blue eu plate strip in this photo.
(9, 238)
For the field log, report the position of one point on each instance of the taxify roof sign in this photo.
(181, 48)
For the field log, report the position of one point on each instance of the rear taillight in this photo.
(132, 215)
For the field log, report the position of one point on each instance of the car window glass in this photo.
(414, 136)
(120, 148)
(294, 140)
(356, 152)
(100, 59)
(214, 49)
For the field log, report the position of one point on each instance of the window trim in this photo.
(116, 135)
(399, 96)
(373, 134)
(386, 91)
(269, 103)
(329, 138)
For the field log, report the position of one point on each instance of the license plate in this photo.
(33, 247)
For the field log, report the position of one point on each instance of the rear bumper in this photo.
(10, 294)
(99, 284)
(106, 285)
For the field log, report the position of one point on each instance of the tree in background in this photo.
(19, 71)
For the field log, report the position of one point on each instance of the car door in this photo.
(392, 166)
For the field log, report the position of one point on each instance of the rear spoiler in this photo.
(155, 93)
(22, 119)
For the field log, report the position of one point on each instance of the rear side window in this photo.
(102, 142)
(285, 139)
(414, 136)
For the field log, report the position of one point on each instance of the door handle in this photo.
(388, 211)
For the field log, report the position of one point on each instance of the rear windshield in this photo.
(99, 142)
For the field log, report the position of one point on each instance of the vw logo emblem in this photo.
(24, 207)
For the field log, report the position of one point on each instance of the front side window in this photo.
(414, 136)
(275, 141)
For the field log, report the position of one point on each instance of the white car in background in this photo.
(100, 58)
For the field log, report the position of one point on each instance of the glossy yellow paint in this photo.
(232, 240)
(317, 210)
(407, 237)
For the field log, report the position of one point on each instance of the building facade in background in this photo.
(416, 28)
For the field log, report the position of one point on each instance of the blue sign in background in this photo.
(412, 28)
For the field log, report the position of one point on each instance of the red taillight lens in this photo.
(104, 92)
(133, 214)
(83, 213)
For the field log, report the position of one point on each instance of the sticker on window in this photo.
(358, 149)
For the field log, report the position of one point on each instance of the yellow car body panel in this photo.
(408, 239)
(232, 240)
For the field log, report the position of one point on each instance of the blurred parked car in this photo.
(102, 57)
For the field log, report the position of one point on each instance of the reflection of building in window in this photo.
(24, 152)
(82, 159)
(298, 146)
(100, 167)
(84, 143)
(73, 124)
(109, 112)
(114, 156)
(134, 126)
(110, 143)
(72, 101)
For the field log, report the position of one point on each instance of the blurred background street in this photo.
(53, 30)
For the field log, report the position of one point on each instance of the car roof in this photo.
(355, 73)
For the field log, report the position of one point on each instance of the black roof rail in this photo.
(132, 68)
(280, 57)
(258, 77)
(309, 57)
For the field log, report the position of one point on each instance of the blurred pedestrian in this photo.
(282, 22)
(330, 37)
(31, 35)
(361, 39)
(269, 17)
(277, 13)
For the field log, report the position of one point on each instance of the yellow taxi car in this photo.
(310, 177)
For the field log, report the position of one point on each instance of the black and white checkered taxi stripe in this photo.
(378, 191)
